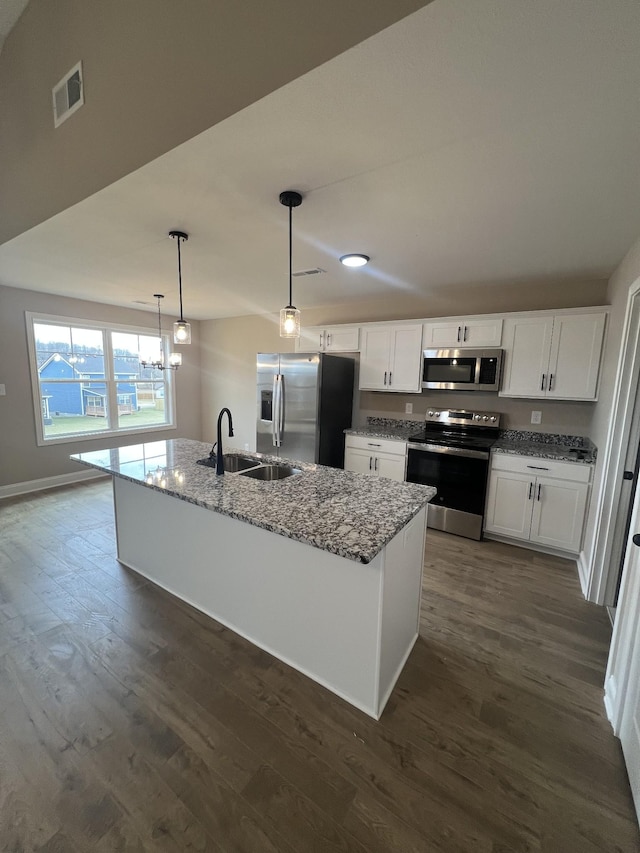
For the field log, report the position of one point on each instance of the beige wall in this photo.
(156, 73)
(229, 350)
(21, 460)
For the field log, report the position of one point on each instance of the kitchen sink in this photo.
(232, 462)
(270, 472)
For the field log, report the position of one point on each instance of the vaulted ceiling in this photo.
(487, 142)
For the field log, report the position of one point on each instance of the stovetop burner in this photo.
(459, 428)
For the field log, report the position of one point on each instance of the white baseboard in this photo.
(15, 489)
(583, 573)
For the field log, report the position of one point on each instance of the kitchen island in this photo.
(322, 569)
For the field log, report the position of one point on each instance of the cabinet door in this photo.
(405, 365)
(389, 465)
(360, 461)
(527, 346)
(558, 513)
(311, 339)
(509, 502)
(342, 339)
(462, 332)
(374, 358)
(575, 356)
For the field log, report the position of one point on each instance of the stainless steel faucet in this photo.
(219, 457)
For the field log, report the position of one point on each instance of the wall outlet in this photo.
(536, 417)
(3, 391)
(408, 408)
(246, 445)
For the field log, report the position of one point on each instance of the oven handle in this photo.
(452, 451)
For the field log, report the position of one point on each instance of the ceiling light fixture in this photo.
(290, 316)
(175, 358)
(181, 329)
(352, 260)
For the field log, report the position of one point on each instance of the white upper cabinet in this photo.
(391, 358)
(553, 356)
(463, 332)
(329, 339)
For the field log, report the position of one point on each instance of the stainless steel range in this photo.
(452, 453)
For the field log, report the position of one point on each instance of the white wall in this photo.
(617, 293)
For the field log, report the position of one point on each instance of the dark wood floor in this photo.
(129, 722)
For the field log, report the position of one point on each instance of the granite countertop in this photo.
(351, 515)
(387, 428)
(566, 448)
(569, 448)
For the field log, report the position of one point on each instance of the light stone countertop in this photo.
(565, 448)
(568, 448)
(351, 515)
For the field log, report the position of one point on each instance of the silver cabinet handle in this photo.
(537, 467)
(539, 490)
(373, 444)
(464, 336)
(390, 375)
(328, 340)
(375, 464)
(385, 377)
(551, 382)
(370, 462)
(530, 490)
(321, 339)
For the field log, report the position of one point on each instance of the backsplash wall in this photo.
(557, 417)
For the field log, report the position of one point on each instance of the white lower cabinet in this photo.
(379, 457)
(541, 501)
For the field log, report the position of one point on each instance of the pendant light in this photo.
(181, 329)
(175, 358)
(290, 316)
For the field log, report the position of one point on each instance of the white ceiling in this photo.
(486, 142)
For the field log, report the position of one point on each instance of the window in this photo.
(87, 379)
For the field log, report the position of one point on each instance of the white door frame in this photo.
(626, 387)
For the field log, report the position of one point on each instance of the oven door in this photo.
(460, 477)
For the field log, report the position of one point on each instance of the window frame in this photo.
(111, 383)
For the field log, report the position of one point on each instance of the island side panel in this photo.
(316, 611)
(402, 591)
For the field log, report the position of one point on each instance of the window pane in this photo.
(73, 408)
(80, 394)
(141, 404)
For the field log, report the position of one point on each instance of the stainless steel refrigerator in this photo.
(304, 405)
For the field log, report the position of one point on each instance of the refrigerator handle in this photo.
(274, 411)
(280, 409)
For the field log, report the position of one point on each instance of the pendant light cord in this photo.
(290, 256)
(180, 279)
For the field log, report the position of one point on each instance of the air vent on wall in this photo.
(314, 271)
(68, 95)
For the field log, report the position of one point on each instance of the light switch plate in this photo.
(536, 417)
(3, 391)
(408, 408)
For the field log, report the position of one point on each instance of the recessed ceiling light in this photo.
(354, 260)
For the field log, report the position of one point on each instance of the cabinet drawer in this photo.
(377, 445)
(536, 467)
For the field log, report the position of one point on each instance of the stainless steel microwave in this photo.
(462, 369)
